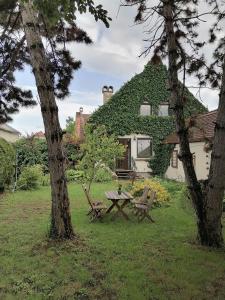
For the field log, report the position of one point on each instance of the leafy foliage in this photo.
(70, 124)
(57, 24)
(99, 151)
(162, 195)
(31, 151)
(103, 175)
(74, 175)
(121, 114)
(30, 178)
(7, 163)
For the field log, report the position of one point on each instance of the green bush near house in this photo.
(162, 195)
(45, 180)
(74, 175)
(31, 178)
(30, 152)
(103, 175)
(7, 164)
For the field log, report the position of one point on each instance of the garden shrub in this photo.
(162, 195)
(31, 177)
(45, 180)
(7, 163)
(103, 175)
(184, 199)
(74, 175)
(30, 152)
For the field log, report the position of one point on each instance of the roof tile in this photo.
(202, 128)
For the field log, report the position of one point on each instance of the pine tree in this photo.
(53, 68)
(175, 36)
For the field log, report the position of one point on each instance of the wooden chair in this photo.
(143, 209)
(96, 207)
(143, 199)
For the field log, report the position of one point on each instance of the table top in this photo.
(113, 195)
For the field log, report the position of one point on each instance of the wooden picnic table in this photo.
(115, 197)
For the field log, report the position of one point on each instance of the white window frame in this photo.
(151, 147)
(150, 109)
(163, 104)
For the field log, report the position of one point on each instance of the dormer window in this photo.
(163, 110)
(145, 109)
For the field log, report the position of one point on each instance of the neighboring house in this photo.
(38, 135)
(80, 121)
(201, 135)
(140, 116)
(9, 134)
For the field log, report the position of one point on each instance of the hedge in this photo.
(7, 164)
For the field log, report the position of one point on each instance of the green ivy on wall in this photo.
(121, 114)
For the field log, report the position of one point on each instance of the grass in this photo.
(111, 260)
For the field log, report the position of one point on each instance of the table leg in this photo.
(111, 207)
(120, 209)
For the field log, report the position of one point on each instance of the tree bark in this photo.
(208, 202)
(61, 225)
(216, 182)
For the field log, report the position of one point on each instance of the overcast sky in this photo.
(111, 60)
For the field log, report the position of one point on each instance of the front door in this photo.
(125, 163)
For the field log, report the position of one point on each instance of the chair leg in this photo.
(150, 218)
(142, 216)
(90, 211)
(137, 212)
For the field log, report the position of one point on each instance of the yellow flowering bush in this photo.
(162, 195)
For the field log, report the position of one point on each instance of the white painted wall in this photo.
(141, 163)
(8, 136)
(202, 163)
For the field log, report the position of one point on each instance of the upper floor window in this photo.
(145, 109)
(144, 148)
(163, 110)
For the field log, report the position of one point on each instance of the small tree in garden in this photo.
(70, 125)
(100, 151)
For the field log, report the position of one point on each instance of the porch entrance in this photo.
(125, 163)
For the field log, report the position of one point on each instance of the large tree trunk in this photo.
(61, 226)
(216, 182)
(208, 208)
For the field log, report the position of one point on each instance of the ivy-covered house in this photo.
(140, 116)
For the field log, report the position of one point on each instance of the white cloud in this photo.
(30, 120)
(114, 52)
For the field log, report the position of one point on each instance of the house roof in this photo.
(39, 135)
(81, 120)
(201, 128)
(6, 127)
(121, 114)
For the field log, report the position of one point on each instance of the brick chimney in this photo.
(107, 92)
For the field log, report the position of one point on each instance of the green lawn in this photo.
(111, 260)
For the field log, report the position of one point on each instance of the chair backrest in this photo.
(151, 199)
(144, 196)
(87, 195)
